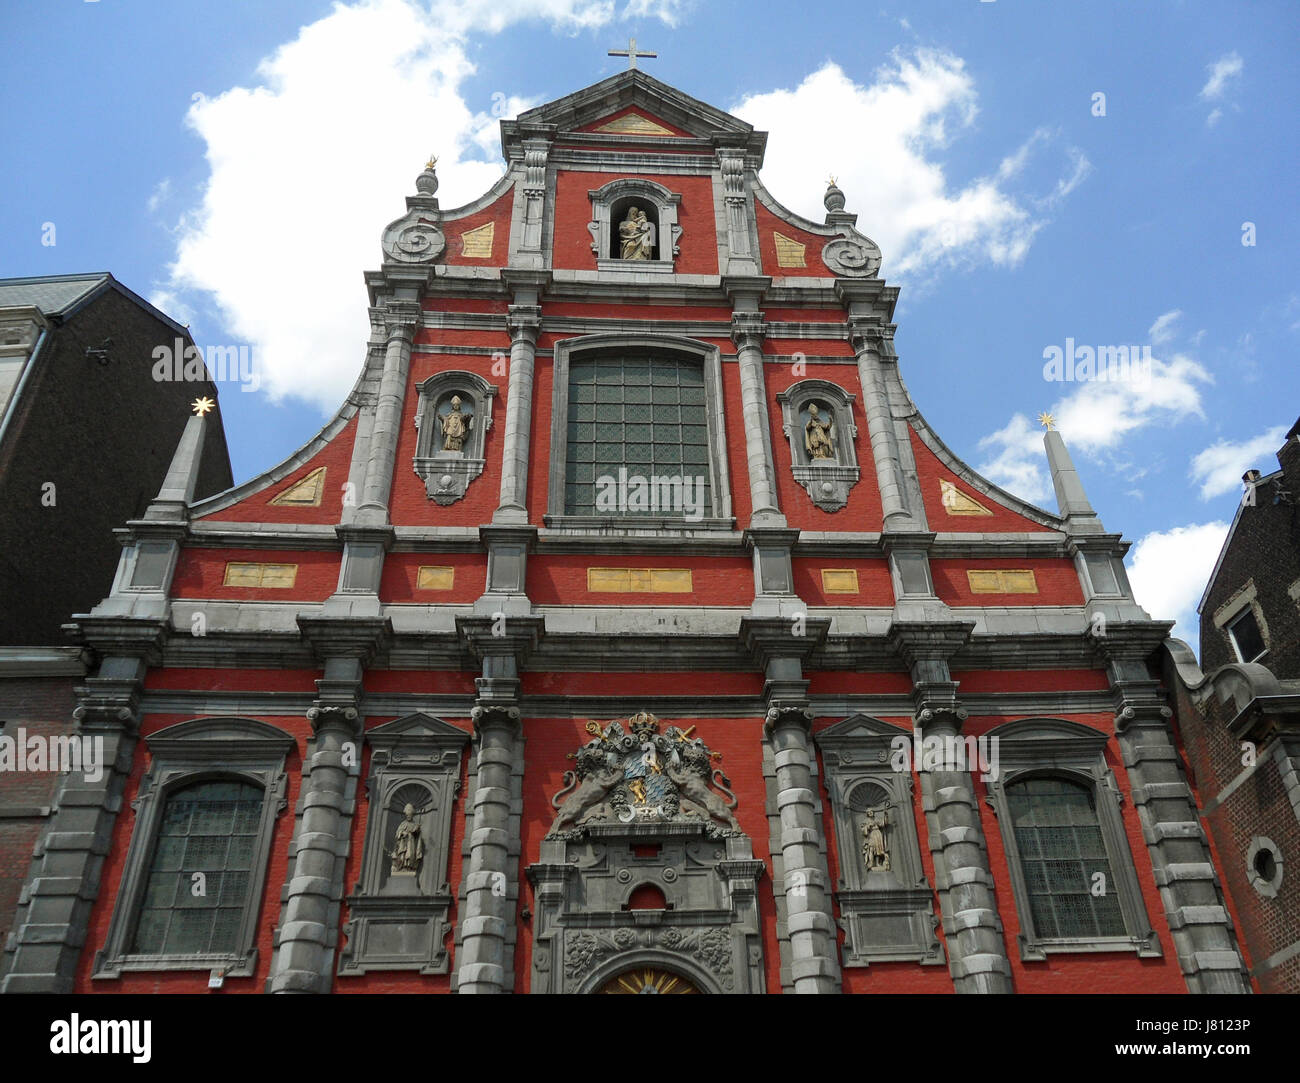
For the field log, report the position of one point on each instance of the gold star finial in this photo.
(433, 160)
(833, 182)
(202, 405)
(1047, 421)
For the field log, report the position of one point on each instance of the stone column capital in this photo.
(524, 322)
(401, 318)
(748, 329)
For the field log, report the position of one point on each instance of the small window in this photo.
(1245, 636)
(199, 875)
(1063, 857)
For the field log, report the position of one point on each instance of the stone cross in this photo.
(631, 54)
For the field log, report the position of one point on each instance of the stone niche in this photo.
(447, 471)
(829, 468)
(397, 913)
(885, 902)
(703, 925)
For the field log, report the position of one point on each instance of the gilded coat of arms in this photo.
(642, 775)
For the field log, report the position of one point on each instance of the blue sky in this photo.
(235, 163)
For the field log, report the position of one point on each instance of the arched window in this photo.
(1059, 810)
(1063, 858)
(195, 869)
(199, 874)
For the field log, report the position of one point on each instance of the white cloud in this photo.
(1219, 467)
(912, 110)
(1228, 66)
(1094, 418)
(308, 165)
(1163, 329)
(1169, 569)
(669, 12)
(162, 190)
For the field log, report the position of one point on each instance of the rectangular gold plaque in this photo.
(273, 576)
(639, 580)
(840, 580)
(1005, 581)
(433, 578)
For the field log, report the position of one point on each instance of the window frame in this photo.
(710, 359)
(1230, 626)
(1243, 601)
(200, 750)
(1055, 748)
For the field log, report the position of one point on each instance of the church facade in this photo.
(628, 629)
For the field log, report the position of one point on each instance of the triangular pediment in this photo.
(632, 104)
(416, 728)
(859, 727)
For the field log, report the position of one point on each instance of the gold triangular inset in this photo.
(789, 252)
(955, 502)
(633, 124)
(477, 243)
(304, 493)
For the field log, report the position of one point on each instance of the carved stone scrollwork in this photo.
(417, 237)
(852, 257)
(642, 776)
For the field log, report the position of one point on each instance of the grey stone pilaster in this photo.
(307, 935)
(977, 953)
(1199, 922)
(49, 931)
(866, 337)
(489, 892)
(401, 319)
(524, 322)
(747, 331)
(807, 934)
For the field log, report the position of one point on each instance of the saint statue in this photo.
(875, 850)
(455, 427)
(636, 234)
(817, 436)
(408, 847)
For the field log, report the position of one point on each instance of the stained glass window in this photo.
(1061, 851)
(646, 415)
(209, 828)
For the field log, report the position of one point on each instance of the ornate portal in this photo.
(640, 775)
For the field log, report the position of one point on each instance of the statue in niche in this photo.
(636, 234)
(408, 846)
(875, 845)
(817, 435)
(455, 427)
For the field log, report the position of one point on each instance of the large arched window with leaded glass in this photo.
(637, 432)
(197, 890)
(192, 883)
(1063, 858)
(1061, 816)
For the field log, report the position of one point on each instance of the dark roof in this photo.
(61, 295)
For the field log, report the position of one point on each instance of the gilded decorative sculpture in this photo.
(408, 846)
(455, 427)
(643, 775)
(636, 234)
(818, 435)
(875, 844)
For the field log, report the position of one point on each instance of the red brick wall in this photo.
(41, 707)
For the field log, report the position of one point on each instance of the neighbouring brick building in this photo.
(86, 435)
(628, 626)
(1239, 713)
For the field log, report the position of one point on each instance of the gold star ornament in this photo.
(1047, 421)
(203, 405)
